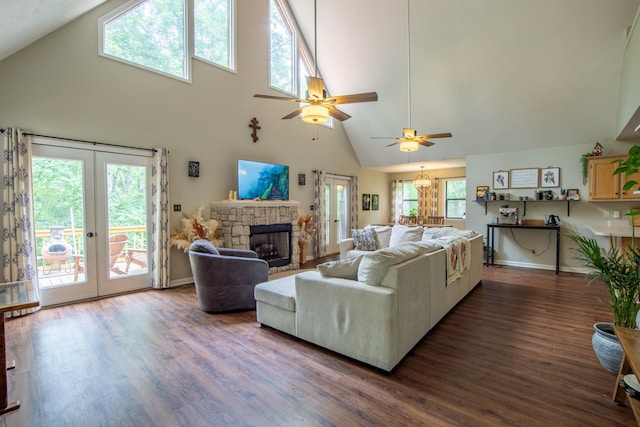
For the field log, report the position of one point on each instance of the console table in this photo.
(13, 296)
(491, 240)
(630, 342)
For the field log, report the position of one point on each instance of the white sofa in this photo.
(390, 299)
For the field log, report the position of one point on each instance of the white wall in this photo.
(567, 158)
(60, 86)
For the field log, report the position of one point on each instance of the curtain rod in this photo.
(153, 150)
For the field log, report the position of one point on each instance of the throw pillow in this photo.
(374, 265)
(404, 233)
(365, 239)
(383, 235)
(345, 269)
(204, 246)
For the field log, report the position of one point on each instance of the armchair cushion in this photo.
(204, 246)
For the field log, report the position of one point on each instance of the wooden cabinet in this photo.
(603, 185)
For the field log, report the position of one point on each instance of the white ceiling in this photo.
(500, 75)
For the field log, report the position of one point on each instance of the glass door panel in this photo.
(337, 219)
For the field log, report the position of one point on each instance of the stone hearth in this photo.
(236, 217)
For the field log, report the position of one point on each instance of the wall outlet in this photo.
(616, 214)
(177, 208)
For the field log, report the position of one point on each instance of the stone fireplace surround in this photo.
(236, 217)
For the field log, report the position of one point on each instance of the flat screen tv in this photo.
(265, 181)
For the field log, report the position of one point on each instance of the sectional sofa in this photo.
(377, 306)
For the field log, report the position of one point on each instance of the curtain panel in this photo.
(160, 219)
(19, 260)
(319, 181)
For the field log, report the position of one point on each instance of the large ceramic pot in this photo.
(607, 347)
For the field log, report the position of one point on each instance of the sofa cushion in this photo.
(365, 239)
(204, 246)
(383, 235)
(345, 269)
(279, 293)
(405, 233)
(374, 265)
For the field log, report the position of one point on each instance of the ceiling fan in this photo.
(320, 107)
(410, 140)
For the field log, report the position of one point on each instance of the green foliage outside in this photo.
(282, 52)
(211, 30)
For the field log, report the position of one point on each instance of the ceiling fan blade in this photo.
(315, 87)
(436, 135)
(426, 143)
(293, 114)
(352, 99)
(281, 98)
(383, 137)
(395, 143)
(337, 114)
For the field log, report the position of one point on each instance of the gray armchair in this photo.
(225, 278)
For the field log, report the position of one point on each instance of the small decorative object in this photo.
(500, 180)
(194, 169)
(195, 228)
(375, 201)
(597, 150)
(550, 177)
(482, 192)
(573, 194)
(305, 222)
(255, 127)
(366, 202)
(563, 194)
(302, 179)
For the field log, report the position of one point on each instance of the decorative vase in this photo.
(303, 252)
(607, 347)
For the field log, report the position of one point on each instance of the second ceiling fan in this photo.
(410, 140)
(320, 107)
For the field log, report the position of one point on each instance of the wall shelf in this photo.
(524, 204)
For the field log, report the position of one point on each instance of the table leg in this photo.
(558, 251)
(5, 406)
(487, 248)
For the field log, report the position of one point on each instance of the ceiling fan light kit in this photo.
(409, 146)
(315, 114)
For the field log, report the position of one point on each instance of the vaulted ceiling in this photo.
(501, 75)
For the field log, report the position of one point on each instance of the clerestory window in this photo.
(153, 34)
(282, 49)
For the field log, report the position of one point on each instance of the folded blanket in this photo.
(457, 251)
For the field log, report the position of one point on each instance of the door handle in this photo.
(90, 234)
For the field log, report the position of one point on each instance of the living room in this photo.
(59, 85)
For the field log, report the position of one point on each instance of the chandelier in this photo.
(422, 181)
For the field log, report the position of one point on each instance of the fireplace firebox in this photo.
(272, 243)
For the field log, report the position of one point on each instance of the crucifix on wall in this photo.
(255, 127)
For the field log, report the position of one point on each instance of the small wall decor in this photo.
(573, 194)
(500, 180)
(194, 169)
(524, 178)
(375, 202)
(366, 202)
(482, 192)
(302, 179)
(255, 127)
(550, 177)
(597, 150)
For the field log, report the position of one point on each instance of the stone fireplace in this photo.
(244, 224)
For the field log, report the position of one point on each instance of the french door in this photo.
(91, 220)
(337, 218)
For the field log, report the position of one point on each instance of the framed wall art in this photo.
(375, 202)
(524, 178)
(550, 177)
(482, 192)
(366, 202)
(500, 180)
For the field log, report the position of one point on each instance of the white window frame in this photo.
(446, 199)
(232, 39)
(286, 14)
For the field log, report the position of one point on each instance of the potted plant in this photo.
(619, 271)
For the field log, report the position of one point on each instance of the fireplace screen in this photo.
(272, 243)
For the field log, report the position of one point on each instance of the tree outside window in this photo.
(455, 198)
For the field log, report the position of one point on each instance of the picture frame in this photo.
(573, 194)
(375, 202)
(366, 202)
(194, 169)
(500, 180)
(482, 192)
(550, 177)
(524, 178)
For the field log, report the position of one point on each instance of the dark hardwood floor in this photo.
(515, 351)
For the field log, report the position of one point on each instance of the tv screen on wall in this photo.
(260, 180)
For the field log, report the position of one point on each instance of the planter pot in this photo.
(607, 347)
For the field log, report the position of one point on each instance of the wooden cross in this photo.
(255, 127)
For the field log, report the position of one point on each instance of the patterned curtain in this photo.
(353, 189)
(160, 219)
(424, 202)
(433, 211)
(319, 180)
(18, 236)
(396, 200)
